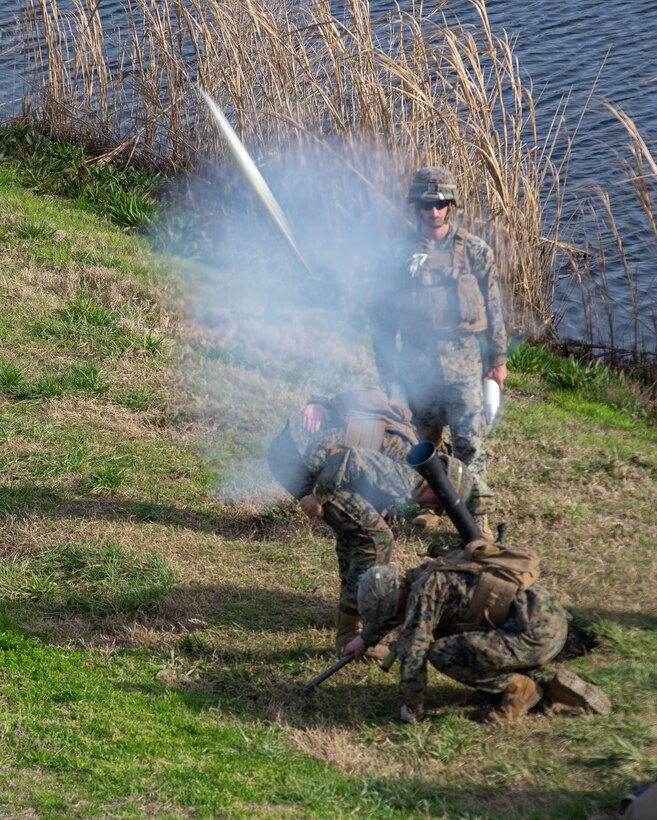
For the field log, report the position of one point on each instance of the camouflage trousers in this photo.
(533, 635)
(355, 487)
(444, 388)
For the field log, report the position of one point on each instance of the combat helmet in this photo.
(434, 183)
(461, 479)
(378, 593)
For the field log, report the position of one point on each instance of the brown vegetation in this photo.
(410, 88)
(245, 608)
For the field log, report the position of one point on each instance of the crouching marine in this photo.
(479, 617)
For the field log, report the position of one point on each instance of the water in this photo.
(570, 51)
(567, 50)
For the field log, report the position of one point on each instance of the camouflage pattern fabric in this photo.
(440, 365)
(445, 389)
(317, 448)
(296, 457)
(533, 634)
(378, 593)
(355, 487)
(433, 182)
(482, 498)
(331, 441)
(314, 449)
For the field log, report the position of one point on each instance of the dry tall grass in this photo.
(410, 86)
(628, 328)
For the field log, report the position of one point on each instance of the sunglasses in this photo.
(428, 205)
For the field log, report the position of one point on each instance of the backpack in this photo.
(503, 572)
(360, 417)
(368, 414)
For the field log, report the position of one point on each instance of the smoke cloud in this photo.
(263, 332)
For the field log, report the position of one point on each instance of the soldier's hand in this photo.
(355, 647)
(311, 506)
(314, 415)
(425, 497)
(498, 374)
(407, 715)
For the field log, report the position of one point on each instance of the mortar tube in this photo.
(424, 458)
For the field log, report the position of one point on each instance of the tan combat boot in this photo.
(348, 627)
(484, 526)
(377, 653)
(521, 694)
(569, 689)
(427, 519)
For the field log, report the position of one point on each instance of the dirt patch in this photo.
(578, 643)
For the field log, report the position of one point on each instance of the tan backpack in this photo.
(503, 572)
(367, 414)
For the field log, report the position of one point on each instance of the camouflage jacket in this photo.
(392, 310)
(313, 450)
(437, 603)
(454, 588)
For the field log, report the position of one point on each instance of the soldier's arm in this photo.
(422, 613)
(373, 634)
(485, 269)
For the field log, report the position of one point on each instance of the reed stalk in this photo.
(411, 88)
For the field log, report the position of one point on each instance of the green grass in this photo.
(594, 382)
(90, 735)
(91, 325)
(78, 380)
(96, 581)
(116, 189)
(160, 609)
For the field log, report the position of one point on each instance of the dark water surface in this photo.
(607, 50)
(567, 50)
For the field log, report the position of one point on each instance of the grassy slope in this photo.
(152, 638)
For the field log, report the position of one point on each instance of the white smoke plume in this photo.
(266, 332)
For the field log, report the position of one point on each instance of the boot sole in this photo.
(568, 688)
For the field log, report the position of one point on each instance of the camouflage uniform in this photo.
(312, 451)
(532, 635)
(441, 364)
(355, 486)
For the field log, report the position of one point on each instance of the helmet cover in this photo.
(434, 183)
(378, 593)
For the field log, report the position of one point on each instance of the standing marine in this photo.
(437, 327)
